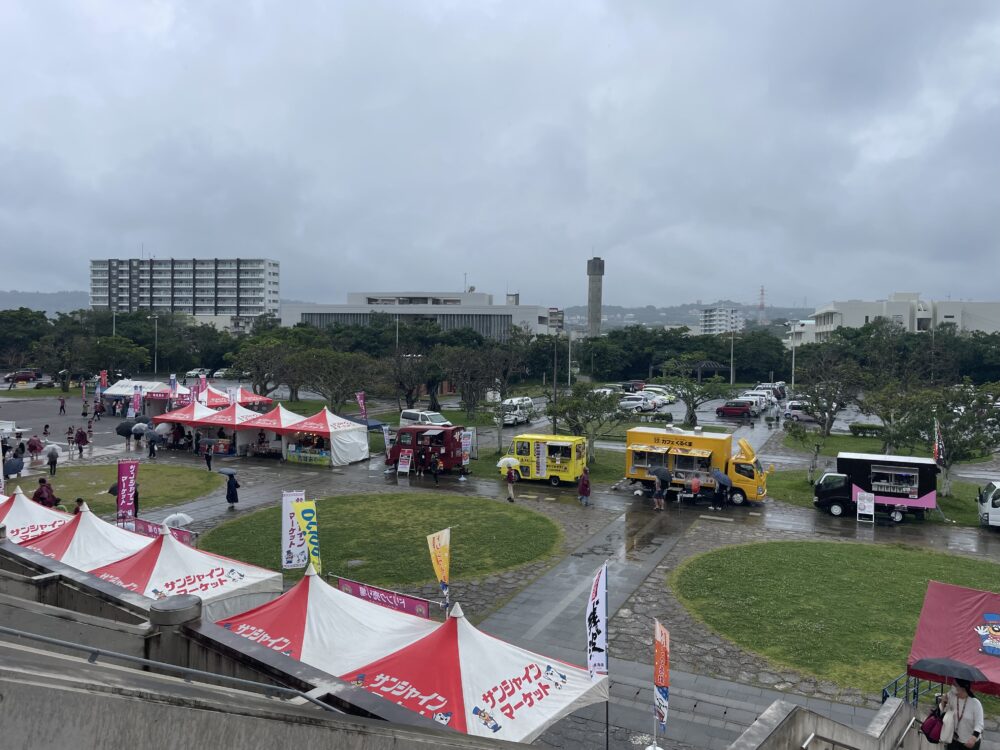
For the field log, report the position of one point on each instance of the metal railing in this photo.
(820, 738)
(188, 674)
(912, 688)
(899, 742)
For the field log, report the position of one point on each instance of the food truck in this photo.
(552, 458)
(688, 453)
(989, 504)
(898, 484)
(427, 440)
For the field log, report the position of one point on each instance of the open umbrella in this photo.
(953, 668)
(228, 472)
(721, 478)
(125, 428)
(507, 462)
(139, 429)
(13, 466)
(153, 436)
(143, 418)
(177, 519)
(164, 428)
(661, 473)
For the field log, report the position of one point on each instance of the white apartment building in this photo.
(800, 332)
(908, 310)
(449, 310)
(228, 293)
(715, 320)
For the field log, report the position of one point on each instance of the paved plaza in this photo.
(717, 689)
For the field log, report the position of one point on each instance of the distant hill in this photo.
(48, 302)
(678, 315)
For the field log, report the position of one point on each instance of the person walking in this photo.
(435, 468)
(197, 441)
(208, 457)
(968, 713)
(62, 405)
(86, 409)
(81, 440)
(583, 487)
(232, 496)
(44, 495)
(45, 431)
(510, 484)
(53, 457)
(98, 410)
(152, 447)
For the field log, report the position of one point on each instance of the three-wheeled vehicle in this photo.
(900, 485)
(425, 441)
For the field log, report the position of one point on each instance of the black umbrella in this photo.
(662, 474)
(125, 428)
(13, 466)
(153, 436)
(722, 478)
(228, 472)
(949, 668)
(143, 418)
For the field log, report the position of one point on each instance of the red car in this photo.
(734, 409)
(23, 376)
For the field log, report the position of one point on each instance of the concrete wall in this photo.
(786, 726)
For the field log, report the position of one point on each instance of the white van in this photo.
(768, 396)
(518, 410)
(421, 417)
(989, 504)
(758, 403)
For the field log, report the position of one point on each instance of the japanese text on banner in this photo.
(597, 625)
(439, 544)
(661, 674)
(305, 517)
(128, 471)
(294, 553)
(360, 396)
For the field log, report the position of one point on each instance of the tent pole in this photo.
(607, 721)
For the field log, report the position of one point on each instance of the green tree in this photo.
(830, 381)
(113, 352)
(469, 373)
(587, 413)
(901, 409)
(262, 357)
(680, 375)
(19, 330)
(969, 429)
(337, 376)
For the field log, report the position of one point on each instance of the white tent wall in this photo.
(245, 598)
(348, 446)
(243, 440)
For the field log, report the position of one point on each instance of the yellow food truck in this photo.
(551, 458)
(686, 454)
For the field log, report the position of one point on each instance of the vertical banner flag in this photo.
(386, 439)
(294, 553)
(661, 674)
(136, 399)
(405, 459)
(466, 447)
(305, 518)
(173, 385)
(541, 453)
(128, 471)
(360, 396)
(439, 544)
(597, 625)
(202, 383)
(233, 394)
(104, 379)
(83, 389)
(3, 484)
(938, 444)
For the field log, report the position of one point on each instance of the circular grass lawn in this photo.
(159, 485)
(842, 612)
(387, 533)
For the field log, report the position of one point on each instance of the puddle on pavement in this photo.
(642, 527)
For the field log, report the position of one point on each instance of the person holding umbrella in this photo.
(583, 487)
(721, 494)
(232, 496)
(968, 711)
(53, 457)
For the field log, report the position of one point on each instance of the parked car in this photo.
(633, 386)
(422, 417)
(658, 400)
(635, 402)
(796, 411)
(22, 376)
(197, 373)
(661, 390)
(755, 408)
(734, 408)
(224, 373)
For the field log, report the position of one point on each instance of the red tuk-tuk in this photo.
(427, 441)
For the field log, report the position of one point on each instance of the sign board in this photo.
(541, 454)
(144, 527)
(466, 447)
(405, 459)
(294, 553)
(412, 605)
(866, 507)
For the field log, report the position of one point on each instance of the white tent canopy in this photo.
(87, 542)
(25, 519)
(348, 441)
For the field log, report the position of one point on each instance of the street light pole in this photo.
(156, 342)
(114, 322)
(732, 348)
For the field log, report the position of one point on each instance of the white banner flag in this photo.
(597, 625)
(294, 552)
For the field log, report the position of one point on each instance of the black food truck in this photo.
(900, 485)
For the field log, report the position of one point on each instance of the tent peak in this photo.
(85, 508)
(310, 570)
(456, 610)
(164, 530)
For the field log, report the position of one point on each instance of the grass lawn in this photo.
(851, 444)
(608, 467)
(961, 506)
(842, 612)
(159, 485)
(389, 533)
(35, 392)
(459, 416)
(306, 407)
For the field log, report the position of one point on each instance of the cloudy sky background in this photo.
(827, 150)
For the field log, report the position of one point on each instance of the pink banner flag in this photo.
(360, 396)
(401, 602)
(137, 399)
(128, 471)
(141, 526)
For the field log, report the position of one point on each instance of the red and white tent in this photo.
(167, 567)
(326, 628)
(25, 519)
(477, 684)
(277, 420)
(87, 542)
(348, 441)
(213, 397)
(249, 398)
(232, 416)
(190, 414)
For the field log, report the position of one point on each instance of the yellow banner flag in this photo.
(440, 547)
(305, 517)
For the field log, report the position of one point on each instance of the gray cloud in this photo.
(826, 150)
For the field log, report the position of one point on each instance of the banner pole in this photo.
(607, 720)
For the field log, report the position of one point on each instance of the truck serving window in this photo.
(640, 459)
(406, 439)
(893, 479)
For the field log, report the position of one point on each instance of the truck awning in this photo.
(649, 448)
(694, 452)
(558, 443)
(430, 433)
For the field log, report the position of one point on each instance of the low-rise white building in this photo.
(449, 310)
(908, 310)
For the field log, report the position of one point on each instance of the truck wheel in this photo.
(737, 498)
(896, 516)
(836, 509)
(554, 481)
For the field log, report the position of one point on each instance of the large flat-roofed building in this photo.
(228, 293)
(909, 311)
(716, 320)
(449, 310)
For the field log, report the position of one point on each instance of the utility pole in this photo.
(555, 377)
(156, 342)
(732, 348)
(569, 360)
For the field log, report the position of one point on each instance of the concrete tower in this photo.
(595, 272)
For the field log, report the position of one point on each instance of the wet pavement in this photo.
(717, 688)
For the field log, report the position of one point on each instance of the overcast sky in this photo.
(828, 150)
